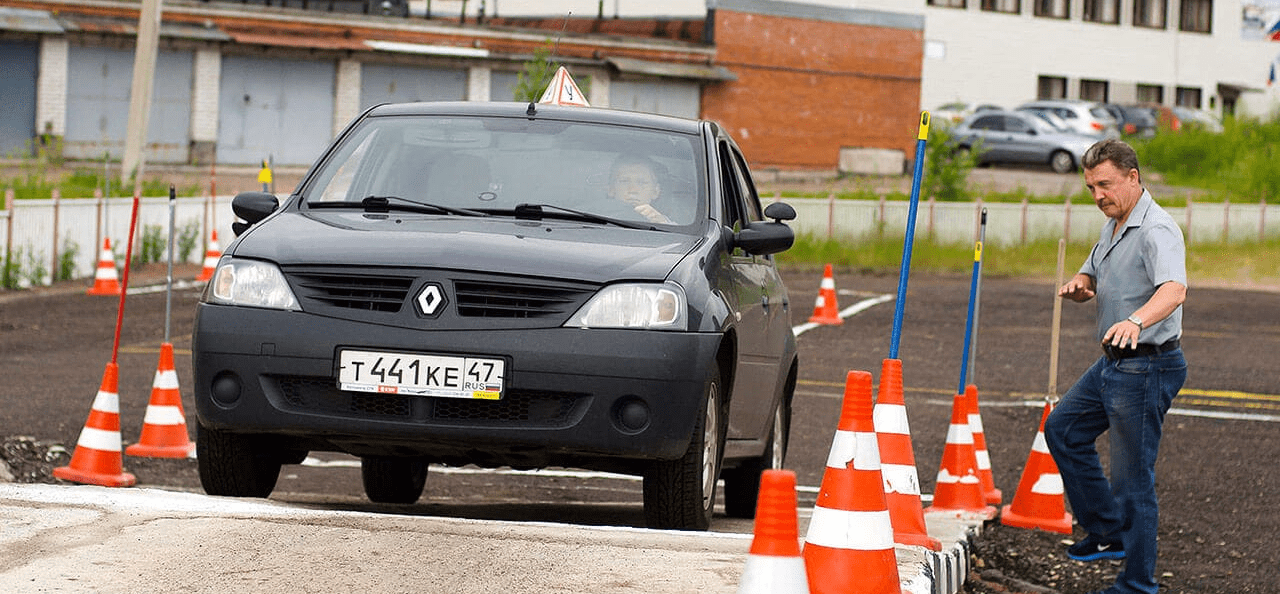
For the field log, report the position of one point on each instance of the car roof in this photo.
(541, 111)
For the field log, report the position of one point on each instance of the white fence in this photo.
(1014, 223)
(41, 232)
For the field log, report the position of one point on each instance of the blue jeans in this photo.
(1129, 397)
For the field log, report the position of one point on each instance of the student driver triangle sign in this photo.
(563, 91)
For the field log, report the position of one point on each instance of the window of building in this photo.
(1150, 13)
(1093, 90)
(1055, 9)
(1188, 97)
(1051, 87)
(1102, 11)
(949, 3)
(1196, 16)
(1150, 93)
(1009, 6)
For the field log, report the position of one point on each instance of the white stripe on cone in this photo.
(766, 574)
(853, 530)
(166, 380)
(163, 415)
(97, 439)
(859, 448)
(900, 478)
(891, 418)
(107, 402)
(1048, 484)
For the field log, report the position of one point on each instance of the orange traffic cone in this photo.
(825, 309)
(1039, 501)
(958, 491)
(990, 493)
(211, 257)
(164, 430)
(774, 564)
(898, 461)
(849, 547)
(106, 281)
(97, 460)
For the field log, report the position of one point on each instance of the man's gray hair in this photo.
(1121, 155)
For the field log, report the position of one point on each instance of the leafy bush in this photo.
(946, 169)
(1241, 163)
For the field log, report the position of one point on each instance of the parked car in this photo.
(956, 111)
(1198, 118)
(1085, 117)
(1166, 119)
(1020, 137)
(1133, 121)
(463, 283)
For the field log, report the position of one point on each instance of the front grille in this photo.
(518, 408)
(508, 300)
(372, 292)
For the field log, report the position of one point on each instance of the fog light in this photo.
(225, 389)
(631, 415)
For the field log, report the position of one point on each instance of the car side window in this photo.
(750, 199)
(1016, 124)
(989, 123)
(733, 191)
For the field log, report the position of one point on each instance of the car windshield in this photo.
(492, 165)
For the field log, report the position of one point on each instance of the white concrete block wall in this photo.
(1005, 71)
(207, 71)
(478, 83)
(51, 86)
(346, 105)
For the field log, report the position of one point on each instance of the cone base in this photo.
(994, 497)
(160, 451)
(1009, 518)
(918, 540)
(981, 513)
(107, 290)
(829, 321)
(68, 473)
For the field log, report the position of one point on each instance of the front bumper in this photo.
(573, 396)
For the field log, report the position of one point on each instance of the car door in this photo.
(1025, 143)
(754, 289)
(990, 129)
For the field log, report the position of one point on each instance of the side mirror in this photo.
(763, 238)
(252, 207)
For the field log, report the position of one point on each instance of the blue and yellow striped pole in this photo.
(921, 139)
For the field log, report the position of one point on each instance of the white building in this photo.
(1211, 54)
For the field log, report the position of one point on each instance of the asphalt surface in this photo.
(1215, 468)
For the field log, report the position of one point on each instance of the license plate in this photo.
(414, 374)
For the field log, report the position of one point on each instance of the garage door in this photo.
(667, 98)
(99, 80)
(18, 87)
(381, 83)
(274, 109)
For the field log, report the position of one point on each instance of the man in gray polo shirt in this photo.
(1137, 270)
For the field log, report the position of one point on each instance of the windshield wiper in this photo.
(387, 203)
(539, 211)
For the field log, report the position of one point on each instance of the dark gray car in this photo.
(1018, 137)
(462, 283)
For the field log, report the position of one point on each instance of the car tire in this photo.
(392, 479)
(234, 464)
(742, 484)
(681, 494)
(1062, 162)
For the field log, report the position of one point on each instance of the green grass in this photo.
(81, 183)
(1241, 164)
(1215, 264)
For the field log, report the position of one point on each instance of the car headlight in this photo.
(252, 284)
(642, 306)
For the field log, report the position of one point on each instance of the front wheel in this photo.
(681, 494)
(1061, 162)
(389, 479)
(742, 484)
(235, 465)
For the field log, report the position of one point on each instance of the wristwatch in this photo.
(1136, 320)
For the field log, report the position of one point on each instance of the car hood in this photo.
(561, 249)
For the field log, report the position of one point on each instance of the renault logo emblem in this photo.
(430, 300)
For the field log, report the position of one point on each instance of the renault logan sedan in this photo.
(505, 285)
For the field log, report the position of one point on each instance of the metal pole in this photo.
(1056, 329)
(977, 302)
(168, 293)
(124, 282)
(921, 139)
(973, 306)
